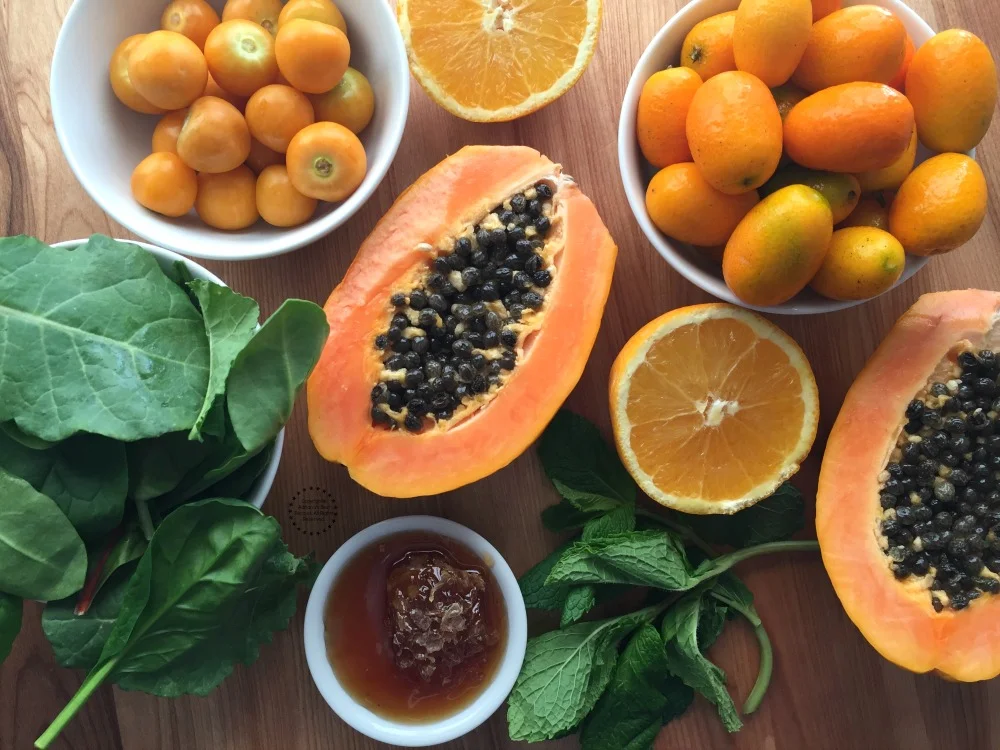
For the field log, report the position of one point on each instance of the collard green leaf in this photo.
(641, 698)
(638, 558)
(564, 674)
(680, 636)
(77, 640)
(772, 519)
(565, 517)
(618, 521)
(268, 373)
(41, 554)
(583, 467)
(579, 601)
(85, 475)
(10, 623)
(215, 582)
(230, 321)
(96, 339)
(539, 595)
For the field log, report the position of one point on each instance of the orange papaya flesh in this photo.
(489, 430)
(898, 617)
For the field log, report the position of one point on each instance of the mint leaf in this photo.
(564, 517)
(564, 673)
(638, 558)
(230, 322)
(773, 519)
(680, 635)
(582, 466)
(618, 521)
(536, 592)
(579, 601)
(10, 623)
(711, 621)
(641, 698)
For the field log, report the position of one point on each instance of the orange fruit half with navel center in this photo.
(496, 60)
(713, 407)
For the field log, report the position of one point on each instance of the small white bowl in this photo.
(166, 259)
(665, 50)
(103, 140)
(443, 730)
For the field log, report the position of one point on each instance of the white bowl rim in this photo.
(451, 727)
(262, 485)
(716, 286)
(281, 242)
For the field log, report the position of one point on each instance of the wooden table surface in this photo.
(830, 689)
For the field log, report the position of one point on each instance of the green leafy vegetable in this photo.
(618, 521)
(85, 475)
(96, 339)
(41, 554)
(564, 674)
(105, 560)
(241, 481)
(638, 558)
(10, 623)
(77, 640)
(214, 584)
(536, 592)
(583, 468)
(641, 698)
(269, 372)
(565, 517)
(11, 430)
(579, 601)
(711, 620)
(230, 322)
(731, 591)
(158, 465)
(772, 519)
(686, 661)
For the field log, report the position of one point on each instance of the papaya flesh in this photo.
(490, 430)
(927, 346)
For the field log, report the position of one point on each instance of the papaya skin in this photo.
(896, 617)
(456, 193)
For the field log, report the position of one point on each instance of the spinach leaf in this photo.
(618, 521)
(564, 674)
(158, 465)
(772, 519)
(271, 369)
(96, 339)
(85, 475)
(215, 583)
(230, 322)
(638, 558)
(582, 466)
(12, 431)
(579, 601)
(564, 517)
(223, 460)
(127, 548)
(536, 592)
(641, 698)
(77, 640)
(181, 275)
(10, 623)
(239, 483)
(41, 555)
(686, 661)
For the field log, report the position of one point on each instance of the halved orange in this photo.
(713, 407)
(496, 60)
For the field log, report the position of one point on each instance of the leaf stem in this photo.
(713, 568)
(93, 681)
(86, 597)
(683, 531)
(763, 673)
(145, 520)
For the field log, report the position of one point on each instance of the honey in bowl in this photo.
(415, 627)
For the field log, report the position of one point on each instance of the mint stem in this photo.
(683, 531)
(719, 565)
(93, 681)
(763, 673)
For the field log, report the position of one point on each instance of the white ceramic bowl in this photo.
(166, 259)
(665, 50)
(396, 733)
(103, 140)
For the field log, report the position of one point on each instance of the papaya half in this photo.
(908, 505)
(462, 325)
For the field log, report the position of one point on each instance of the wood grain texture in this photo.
(830, 689)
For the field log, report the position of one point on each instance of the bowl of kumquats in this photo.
(803, 156)
(230, 129)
